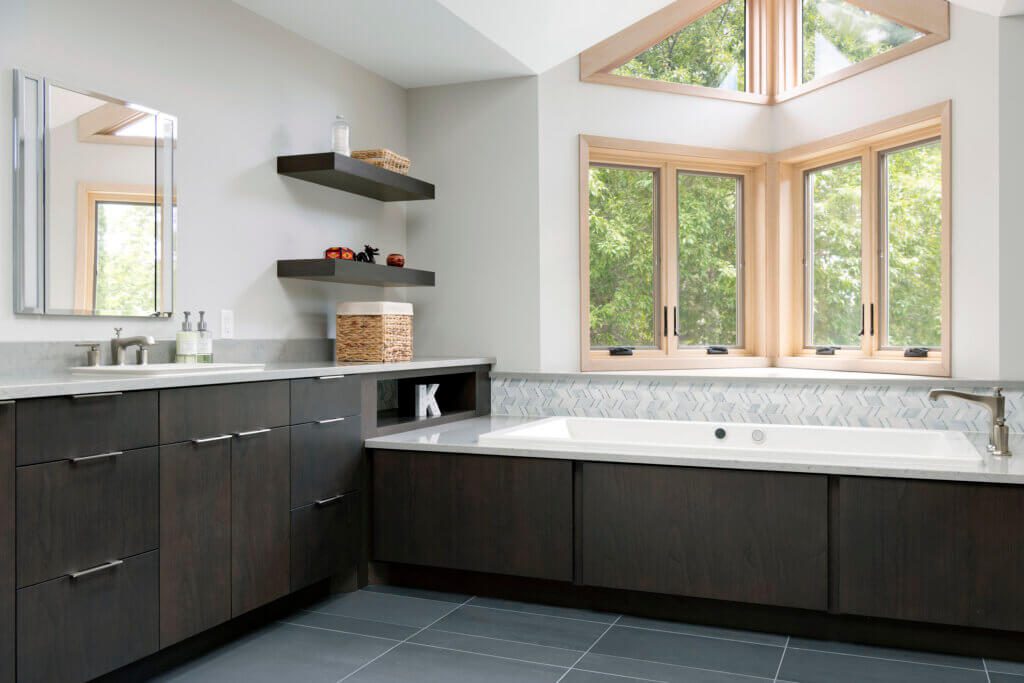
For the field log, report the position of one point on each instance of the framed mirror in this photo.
(95, 206)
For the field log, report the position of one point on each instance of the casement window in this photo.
(671, 247)
(868, 249)
(762, 51)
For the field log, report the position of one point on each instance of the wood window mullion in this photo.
(669, 228)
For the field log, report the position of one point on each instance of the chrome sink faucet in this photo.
(118, 345)
(999, 435)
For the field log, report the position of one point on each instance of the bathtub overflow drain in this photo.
(757, 435)
(719, 433)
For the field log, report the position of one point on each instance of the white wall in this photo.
(245, 91)
(1011, 188)
(478, 143)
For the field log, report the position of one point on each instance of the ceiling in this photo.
(417, 43)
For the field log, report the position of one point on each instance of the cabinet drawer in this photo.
(7, 581)
(326, 460)
(200, 412)
(74, 629)
(78, 514)
(325, 540)
(71, 426)
(325, 397)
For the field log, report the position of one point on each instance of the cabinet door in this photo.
(932, 551)
(195, 538)
(259, 519)
(325, 539)
(6, 542)
(480, 513)
(326, 460)
(759, 537)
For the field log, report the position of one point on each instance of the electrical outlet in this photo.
(227, 324)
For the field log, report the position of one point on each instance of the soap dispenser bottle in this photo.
(186, 342)
(204, 345)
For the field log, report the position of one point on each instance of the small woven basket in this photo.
(373, 332)
(384, 158)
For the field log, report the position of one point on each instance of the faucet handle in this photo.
(117, 332)
(93, 354)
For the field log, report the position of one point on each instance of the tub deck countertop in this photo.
(464, 437)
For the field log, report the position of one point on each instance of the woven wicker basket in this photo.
(384, 158)
(374, 333)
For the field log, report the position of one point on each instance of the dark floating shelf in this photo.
(354, 273)
(351, 175)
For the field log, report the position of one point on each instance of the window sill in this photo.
(923, 367)
(766, 375)
(660, 363)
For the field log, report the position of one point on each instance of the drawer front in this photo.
(74, 629)
(6, 542)
(326, 460)
(71, 426)
(73, 515)
(325, 540)
(323, 398)
(201, 412)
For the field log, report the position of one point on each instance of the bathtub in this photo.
(670, 441)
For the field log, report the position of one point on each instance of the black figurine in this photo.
(367, 254)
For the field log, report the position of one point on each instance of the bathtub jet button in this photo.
(757, 435)
(719, 433)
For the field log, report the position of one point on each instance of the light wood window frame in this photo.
(774, 47)
(667, 160)
(867, 145)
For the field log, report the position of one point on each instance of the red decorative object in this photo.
(347, 254)
(396, 260)
(333, 252)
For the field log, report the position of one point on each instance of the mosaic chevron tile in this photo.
(849, 405)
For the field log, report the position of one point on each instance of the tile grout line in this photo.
(628, 678)
(587, 651)
(541, 614)
(353, 673)
(484, 654)
(984, 664)
(336, 630)
(781, 660)
(887, 659)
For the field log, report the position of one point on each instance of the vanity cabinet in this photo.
(7, 536)
(942, 552)
(474, 512)
(325, 539)
(203, 412)
(327, 459)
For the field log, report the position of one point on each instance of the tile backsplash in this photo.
(832, 403)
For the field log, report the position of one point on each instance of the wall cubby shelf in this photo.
(351, 175)
(353, 273)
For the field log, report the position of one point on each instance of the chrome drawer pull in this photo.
(253, 432)
(95, 570)
(108, 394)
(332, 377)
(211, 439)
(333, 419)
(100, 456)
(328, 501)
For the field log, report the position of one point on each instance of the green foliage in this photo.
(702, 53)
(707, 259)
(125, 259)
(856, 33)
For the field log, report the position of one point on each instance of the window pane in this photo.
(709, 258)
(912, 239)
(622, 256)
(838, 34)
(834, 255)
(125, 258)
(711, 51)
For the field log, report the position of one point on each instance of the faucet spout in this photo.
(999, 433)
(118, 344)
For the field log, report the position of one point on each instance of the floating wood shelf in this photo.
(351, 175)
(354, 273)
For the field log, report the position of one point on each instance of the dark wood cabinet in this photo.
(759, 537)
(327, 459)
(260, 504)
(202, 412)
(74, 629)
(481, 513)
(75, 515)
(72, 426)
(7, 536)
(325, 398)
(324, 540)
(945, 552)
(195, 538)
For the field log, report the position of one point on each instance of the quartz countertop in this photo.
(65, 383)
(463, 437)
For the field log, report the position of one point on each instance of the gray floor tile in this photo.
(539, 654)
(1005, 678)
(283, 653)
(707, 631)
(392, 609)
(664, 673)
(570, 634)
(807, 666)
(431, 665)
(577, 676)
(887, 653)
(1006, 667)
(692, 651)
(419, 593)
(548, 610)
(363, 627)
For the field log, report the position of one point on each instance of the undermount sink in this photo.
(158, 369)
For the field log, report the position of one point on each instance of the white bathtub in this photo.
(668, 440)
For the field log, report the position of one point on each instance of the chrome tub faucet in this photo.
(999, 434)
